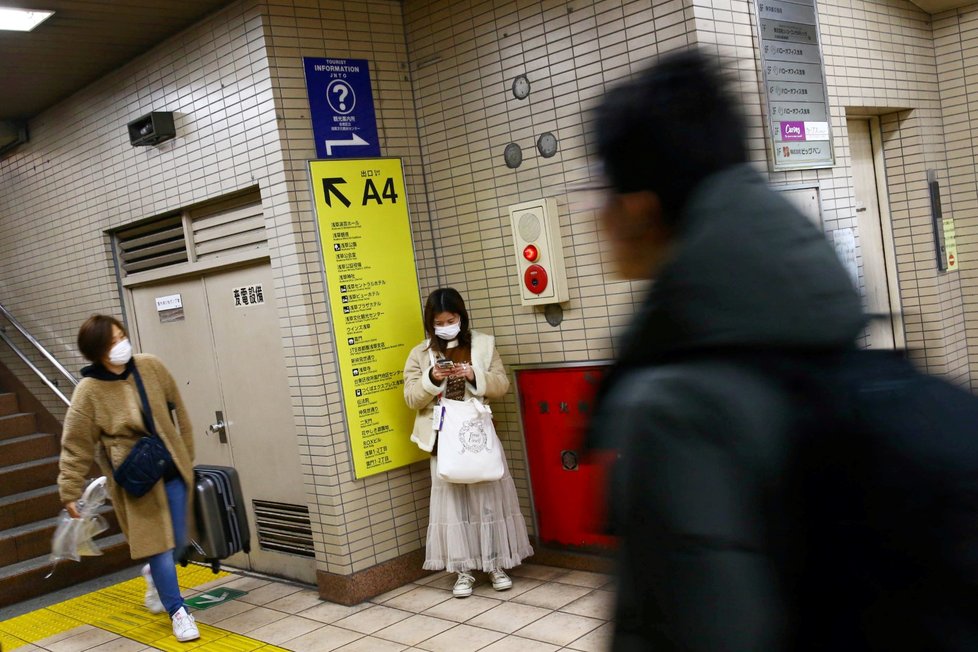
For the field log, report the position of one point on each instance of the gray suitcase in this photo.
(222, 520)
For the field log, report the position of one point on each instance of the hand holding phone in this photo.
(441, 370)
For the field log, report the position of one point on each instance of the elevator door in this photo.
(880, 290)
(227, 358)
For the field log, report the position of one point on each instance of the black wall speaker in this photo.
(12, 134)
(152, 129)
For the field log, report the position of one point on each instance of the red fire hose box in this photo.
(569, 487)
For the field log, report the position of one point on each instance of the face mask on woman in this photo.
(449, 332)
(121, 353)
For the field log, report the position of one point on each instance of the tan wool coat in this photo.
(104, 422)
(420, 393)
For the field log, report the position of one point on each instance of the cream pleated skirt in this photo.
(475, 526)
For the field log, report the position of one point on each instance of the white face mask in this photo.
(449, 332)
(121, 353)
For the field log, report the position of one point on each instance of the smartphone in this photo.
(445, 364)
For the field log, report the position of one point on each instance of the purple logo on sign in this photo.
(792, 131)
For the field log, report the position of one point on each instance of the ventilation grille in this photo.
(284, 528)
(152, 245)
(222, 231)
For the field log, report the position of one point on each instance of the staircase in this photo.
(29, 508)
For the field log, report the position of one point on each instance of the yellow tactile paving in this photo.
(119, 609)
(191, 576)
(121, 623)
(39, 624)
(8, 642)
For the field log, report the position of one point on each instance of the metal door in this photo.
(183, 343)
(880, 289)
(226, 354)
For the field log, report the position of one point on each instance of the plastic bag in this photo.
(74, 538)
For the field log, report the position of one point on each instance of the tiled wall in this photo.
(906, 76)
(79, 176)
(879, 59)
(236, 85)
(369, 521)
(465, 55)
(956, 42)
(442, 73)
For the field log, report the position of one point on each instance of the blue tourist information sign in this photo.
(342, 108)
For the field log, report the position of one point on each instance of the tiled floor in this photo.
(547, 609)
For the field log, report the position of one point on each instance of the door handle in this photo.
(219, 428)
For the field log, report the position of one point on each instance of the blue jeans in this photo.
(162, 565)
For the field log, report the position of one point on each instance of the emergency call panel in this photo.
(539, 252)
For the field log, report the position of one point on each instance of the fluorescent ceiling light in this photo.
(22, 20)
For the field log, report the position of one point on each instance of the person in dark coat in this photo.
(698, 494)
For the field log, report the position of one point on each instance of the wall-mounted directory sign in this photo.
(794, 84)
(374, 302)
(341, 106)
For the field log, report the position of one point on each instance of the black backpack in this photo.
(886, 504)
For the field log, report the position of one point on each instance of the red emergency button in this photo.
(535, 279)
(531, 253)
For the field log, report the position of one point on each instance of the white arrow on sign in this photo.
(356, 140)
(213, 599)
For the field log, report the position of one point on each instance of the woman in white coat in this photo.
(471, 527)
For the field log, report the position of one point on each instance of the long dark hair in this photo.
(446, 300)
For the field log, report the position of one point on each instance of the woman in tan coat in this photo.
(103, 423)
(470, 526)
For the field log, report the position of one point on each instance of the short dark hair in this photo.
(670, 127)
(446, 300)
(95, 336)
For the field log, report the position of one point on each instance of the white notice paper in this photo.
(168, 302)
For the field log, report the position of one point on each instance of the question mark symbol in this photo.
(343, 91)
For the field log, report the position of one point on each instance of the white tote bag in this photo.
(468, 448)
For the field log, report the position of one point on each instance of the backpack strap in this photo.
(147, 412)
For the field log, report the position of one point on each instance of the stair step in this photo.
(26, 579)
(28, 448)
(27, 476)
(8, 403)
(104, 543)
(17, 425)
(34, 539)
(29, 506)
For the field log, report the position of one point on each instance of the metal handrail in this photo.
(37, 345)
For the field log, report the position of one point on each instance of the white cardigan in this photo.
(420, 393)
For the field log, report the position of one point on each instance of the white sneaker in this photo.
(184, 626)
(463, 585)
(500, 580)
(152, 598)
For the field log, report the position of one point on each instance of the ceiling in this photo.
(81, 42)
(937, 6)
(86, 39)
